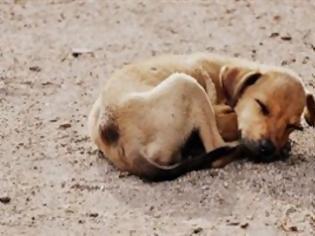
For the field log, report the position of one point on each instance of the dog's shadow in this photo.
(198, 193)
(210, 192)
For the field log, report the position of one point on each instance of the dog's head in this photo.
(269, 105)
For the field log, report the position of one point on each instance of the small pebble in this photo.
(35, 68)
(93, 214)
(5, 200)
(286, 38)
(65, 126)
(198, 230)
(244, 225)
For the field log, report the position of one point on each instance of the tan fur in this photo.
(150, 108)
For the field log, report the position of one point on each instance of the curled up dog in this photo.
(148, 111)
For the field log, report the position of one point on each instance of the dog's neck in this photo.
(211, 70)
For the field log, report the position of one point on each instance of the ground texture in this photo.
(51, 181)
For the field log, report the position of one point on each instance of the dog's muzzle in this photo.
(265, 151)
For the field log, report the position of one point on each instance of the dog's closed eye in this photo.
(264, 109)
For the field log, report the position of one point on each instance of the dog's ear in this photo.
(309, 111)
(235, 80)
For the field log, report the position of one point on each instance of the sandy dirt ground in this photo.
(51, 181)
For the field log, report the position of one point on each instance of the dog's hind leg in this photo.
(185, 106)
(162, 119)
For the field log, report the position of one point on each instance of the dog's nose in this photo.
(266, 147)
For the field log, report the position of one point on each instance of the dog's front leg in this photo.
(204, 115)
(226, 119)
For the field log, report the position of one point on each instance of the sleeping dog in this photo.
(147, 112)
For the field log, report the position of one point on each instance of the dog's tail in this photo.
(155, 172)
